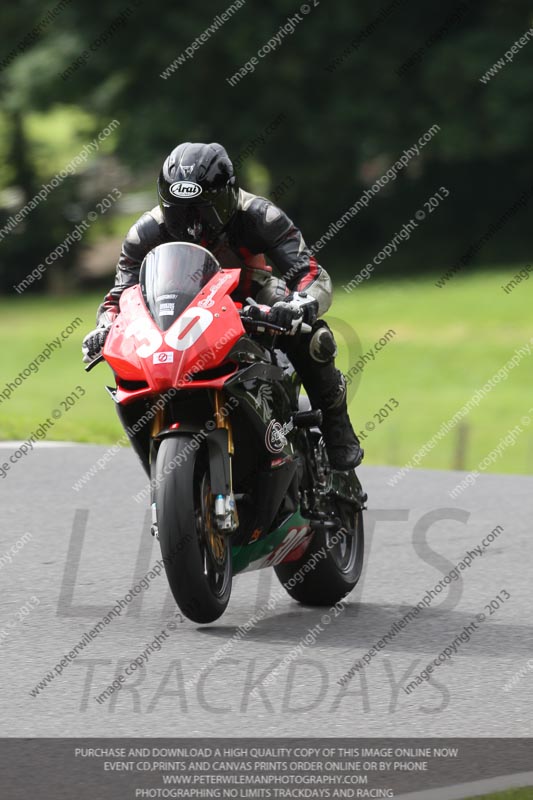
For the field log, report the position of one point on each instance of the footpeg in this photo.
(307, 419)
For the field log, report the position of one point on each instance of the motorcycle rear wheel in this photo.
(337, 565)
(197, 557)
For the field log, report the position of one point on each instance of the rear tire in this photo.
(334, 576)
(197, 557)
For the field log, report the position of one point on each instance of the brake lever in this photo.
(94, 363)
(261, 325)
(304, 327)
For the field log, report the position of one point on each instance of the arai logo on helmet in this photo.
(185, 189)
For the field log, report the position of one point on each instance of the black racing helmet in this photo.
(198, 192)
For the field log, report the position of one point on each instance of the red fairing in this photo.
(199, 339)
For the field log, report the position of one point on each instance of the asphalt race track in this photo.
(88, 548)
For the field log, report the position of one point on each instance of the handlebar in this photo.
(260, 322)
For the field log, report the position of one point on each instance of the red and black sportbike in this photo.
(239, 473)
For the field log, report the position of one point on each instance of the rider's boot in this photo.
(313, 357)
(342, 445)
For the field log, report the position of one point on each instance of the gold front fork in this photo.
(157, 422)
(222, 421)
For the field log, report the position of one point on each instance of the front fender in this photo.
(219, 457)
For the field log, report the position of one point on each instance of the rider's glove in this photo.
(93, 343)
(308, 304)
(296, 309)
(283, 315)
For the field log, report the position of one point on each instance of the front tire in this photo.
(338, 562)
(196, 555)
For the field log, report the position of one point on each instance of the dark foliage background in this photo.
(341, 130)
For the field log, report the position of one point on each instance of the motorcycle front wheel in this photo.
(197, 557)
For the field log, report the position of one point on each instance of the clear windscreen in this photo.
(171, 276)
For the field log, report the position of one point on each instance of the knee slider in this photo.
(322, 345)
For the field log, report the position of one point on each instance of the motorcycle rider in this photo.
(248, 232)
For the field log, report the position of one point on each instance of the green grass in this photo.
(26, 325)
(448, 342)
